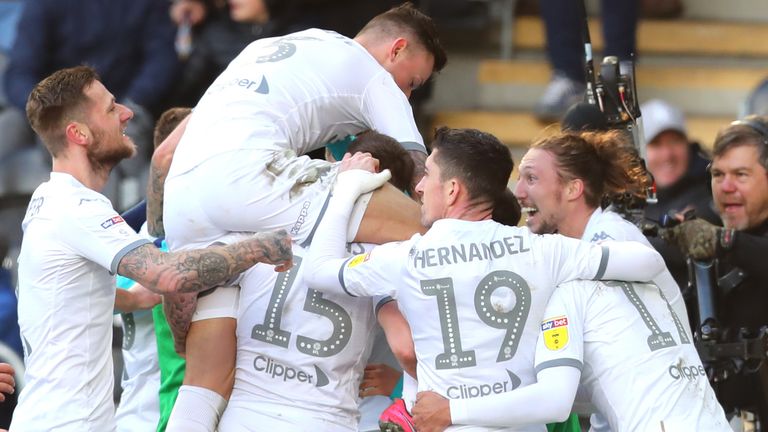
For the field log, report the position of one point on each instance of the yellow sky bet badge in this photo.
(555, 333)
(359, 259)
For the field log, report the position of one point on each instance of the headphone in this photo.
(758, 127)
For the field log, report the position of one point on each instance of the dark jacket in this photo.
(129, 42)
(746, 306)
(694, 189)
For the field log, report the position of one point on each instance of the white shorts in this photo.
(252, 190)
(233, 194)
(219, 302)
(271, 417)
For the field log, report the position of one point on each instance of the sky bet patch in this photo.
(555, 333)
(112, 221)
(359, 259)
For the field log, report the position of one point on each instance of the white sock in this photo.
(197, 409)
(410, 388)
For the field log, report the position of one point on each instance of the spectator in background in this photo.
(7, 383)
(10, 341)
(220, 33)
(679, 168)
(564, 21)
(130, 44)
(740, 191)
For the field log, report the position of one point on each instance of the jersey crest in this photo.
(555, 333)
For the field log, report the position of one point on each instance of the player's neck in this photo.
(469, 212)
(79, 167)
(576, 221)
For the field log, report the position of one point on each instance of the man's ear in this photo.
(397, 47)
(453, 189)
(77, 133)
(574, 189)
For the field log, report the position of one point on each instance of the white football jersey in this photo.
(300, 354)
(139, 407)
(609, 225)
(297, 92)
(474, 294)
(73, 242)
(639, 369)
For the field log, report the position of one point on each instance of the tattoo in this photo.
(178, 311)
(155, 191)
(196, 270)
(180, 275)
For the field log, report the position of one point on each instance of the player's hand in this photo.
(379, 379)
(698, 238)
(142, 298)
(276, 248)
(7, 383)
(357, 175)
(431, 412)
(359, 160)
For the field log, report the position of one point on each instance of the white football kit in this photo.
(73, 242)
(236, 167)
(300, 354)
(608, 225)
(473, 293)
(639, 368)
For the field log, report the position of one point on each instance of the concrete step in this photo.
(666, 37)
(518, 129)
(709, 90)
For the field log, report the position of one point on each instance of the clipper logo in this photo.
(555, 333)
(112, 221)
(285, 373)
(691, 373)
(464, 391)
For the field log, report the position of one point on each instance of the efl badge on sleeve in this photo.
(359, 259)
(555, 333)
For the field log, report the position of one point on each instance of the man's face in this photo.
(411, 68)
(740, 188)
(539, 191)
(253, 11)
(107, 121)
(667, 157)
(431, 189)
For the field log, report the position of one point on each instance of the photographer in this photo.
(740, 190)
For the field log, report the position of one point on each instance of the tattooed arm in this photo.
(179, 309)
(181, 275)
(158, 171)
(196, 270)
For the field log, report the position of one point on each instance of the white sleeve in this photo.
(575, 259)
(97, 232)
(548, 400)
(559, 356)
(561, 336)
(327, 262)
(386, 109)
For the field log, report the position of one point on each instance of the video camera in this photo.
(611, 96)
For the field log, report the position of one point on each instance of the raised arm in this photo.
(158, 171)
(328, 250)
